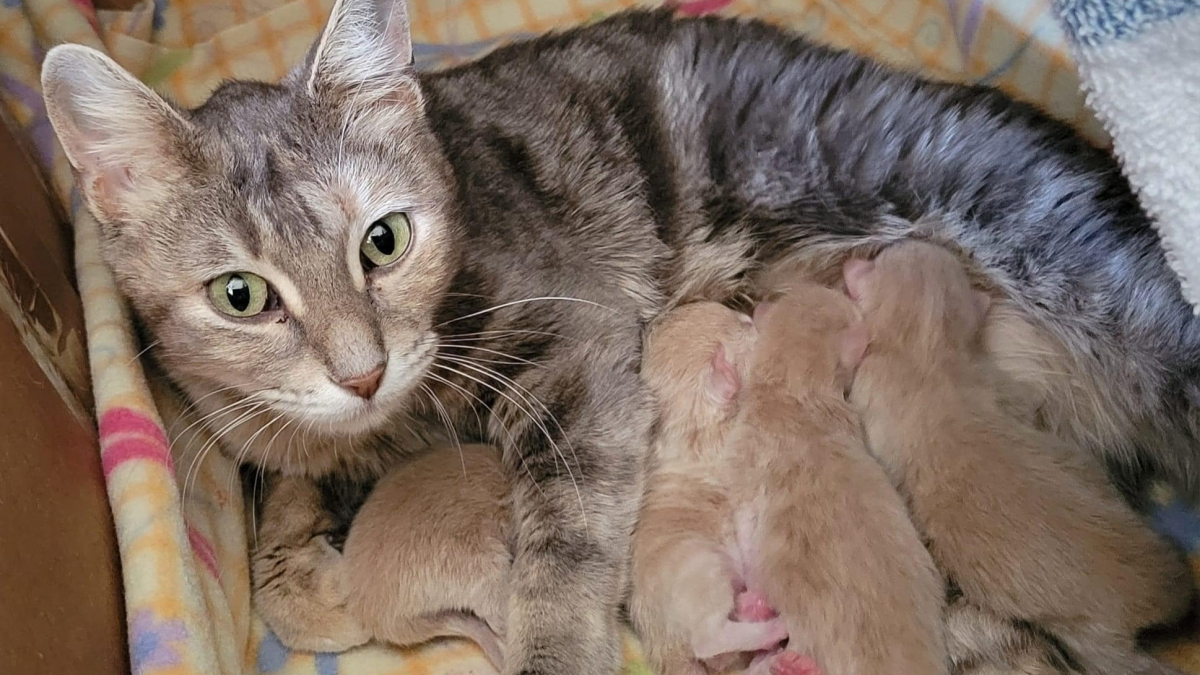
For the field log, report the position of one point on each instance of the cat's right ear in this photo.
(365, 48)
(121, 138)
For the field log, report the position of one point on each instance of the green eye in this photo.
(386, 241)
(239, 294)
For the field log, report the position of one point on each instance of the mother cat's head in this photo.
(285, 246)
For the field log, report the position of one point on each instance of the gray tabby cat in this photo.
(320, 259)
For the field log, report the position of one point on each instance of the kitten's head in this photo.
(285, 246)
(695, 360)
(810, 338)
(919, 296)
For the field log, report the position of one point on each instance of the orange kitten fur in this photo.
(685, 559)
(771, 488)
(1017, 518)
(427, 556)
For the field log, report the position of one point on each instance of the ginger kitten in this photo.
(426, 556)
(763, 484)
(1014, 516)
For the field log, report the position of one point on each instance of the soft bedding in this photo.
(180, 518)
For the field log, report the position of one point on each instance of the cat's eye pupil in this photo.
(385, 241)
(382, 238)
(237, 290)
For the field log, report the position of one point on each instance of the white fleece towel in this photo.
(1140, 65)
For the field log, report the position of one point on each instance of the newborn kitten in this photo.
(688, 568)
(1013, 515)
(426, 556)
(770, 488)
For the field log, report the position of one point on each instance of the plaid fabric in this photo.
(180, 520)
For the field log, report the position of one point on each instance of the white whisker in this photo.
(532, 418)
(525, 396)
(514, 359)
(139, 355)
(445, 417)
(468, 396)
(193, 473)
(522, 302)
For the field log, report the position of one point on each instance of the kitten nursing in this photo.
(770, 537)
(427, 556)
(328, 253)
(1013, 516)
(763, 482)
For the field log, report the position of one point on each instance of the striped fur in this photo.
(627, 165)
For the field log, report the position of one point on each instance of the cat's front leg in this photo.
(298, 577)
(574, 443)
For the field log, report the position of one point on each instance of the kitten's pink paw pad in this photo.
(753, 606)
(794, 663)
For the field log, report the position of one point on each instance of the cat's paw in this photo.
(303, 599)
(299, 577)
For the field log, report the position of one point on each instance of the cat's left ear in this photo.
(366, 48)
(127, 145)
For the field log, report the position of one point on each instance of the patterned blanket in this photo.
(179, 513)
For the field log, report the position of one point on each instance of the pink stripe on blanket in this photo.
(204, 550)
(125, 420)
(134, 447)
(697, 7)
(136, 437)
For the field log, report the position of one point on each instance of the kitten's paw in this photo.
(752, 606)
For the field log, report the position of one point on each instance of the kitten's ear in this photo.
(122, 138)
(724, 383)
(365, 46)
(983, 302)
(854, 345)
(855, 271)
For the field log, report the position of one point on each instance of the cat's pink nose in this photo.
(364, 386)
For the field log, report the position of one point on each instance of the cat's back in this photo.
(690, 474)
